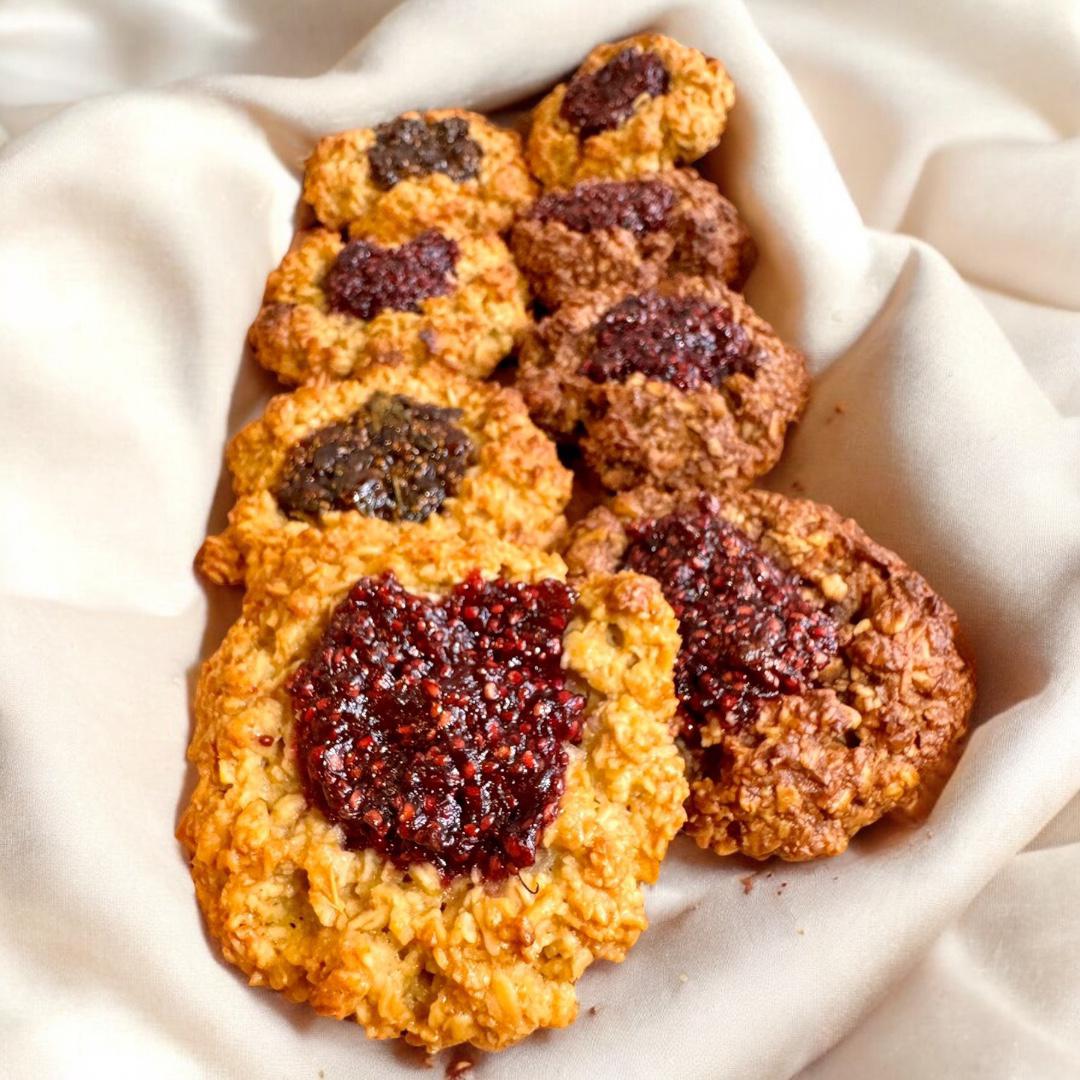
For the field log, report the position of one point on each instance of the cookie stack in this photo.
(451, 736)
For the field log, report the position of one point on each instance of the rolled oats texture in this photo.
(881, 155)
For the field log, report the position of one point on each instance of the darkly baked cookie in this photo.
(334, 308)
(681, 384)
(432, 781)
(609, 233)
(377, 461)
(446, 169)
(636, 106)
(819, 679)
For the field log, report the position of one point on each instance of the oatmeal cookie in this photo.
(446, 169)
(333, 308)
(432, 780)
(609, 233)
(682, 384)
(820, 681)
(637, 106)
(383, 459)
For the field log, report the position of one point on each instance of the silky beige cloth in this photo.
(912, 175)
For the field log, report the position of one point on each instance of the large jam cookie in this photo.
(379, 461)
(681, 384)
(608, 233)
(638, 106)
(431, 784)
(334, 307)
(447, 169)
(820, 682)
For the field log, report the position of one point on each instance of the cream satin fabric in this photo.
(912, 175)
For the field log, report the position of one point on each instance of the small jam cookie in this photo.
(638, 106)
(607, 233)
(334, 308)
(380, 460)
(432, 781)
(681, 384)
(447, 169)
(819, 680)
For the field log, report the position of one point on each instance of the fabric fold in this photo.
(136, 230)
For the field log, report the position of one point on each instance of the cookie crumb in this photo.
(748, 883)
(840, 408)
(683, 977)
(593, 1010)
(458, 1067)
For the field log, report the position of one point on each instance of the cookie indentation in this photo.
(436, 730)
(603, 100)
(366, 278)
(687, 341)
(749, 632)
(640, 206)
(396, 459)
(413, 147)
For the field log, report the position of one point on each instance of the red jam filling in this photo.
(749, 632)
(366, 278)
(405, 148)
(641, 206)
(394, 459)
(603, 100)
(436, 730)
(683, 340)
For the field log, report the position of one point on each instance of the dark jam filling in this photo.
(683, 340)
(436, 730)
(405, 148)
(366, 278)
(395, 459)
(748, 631)
(642, 206)
(603, 100)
